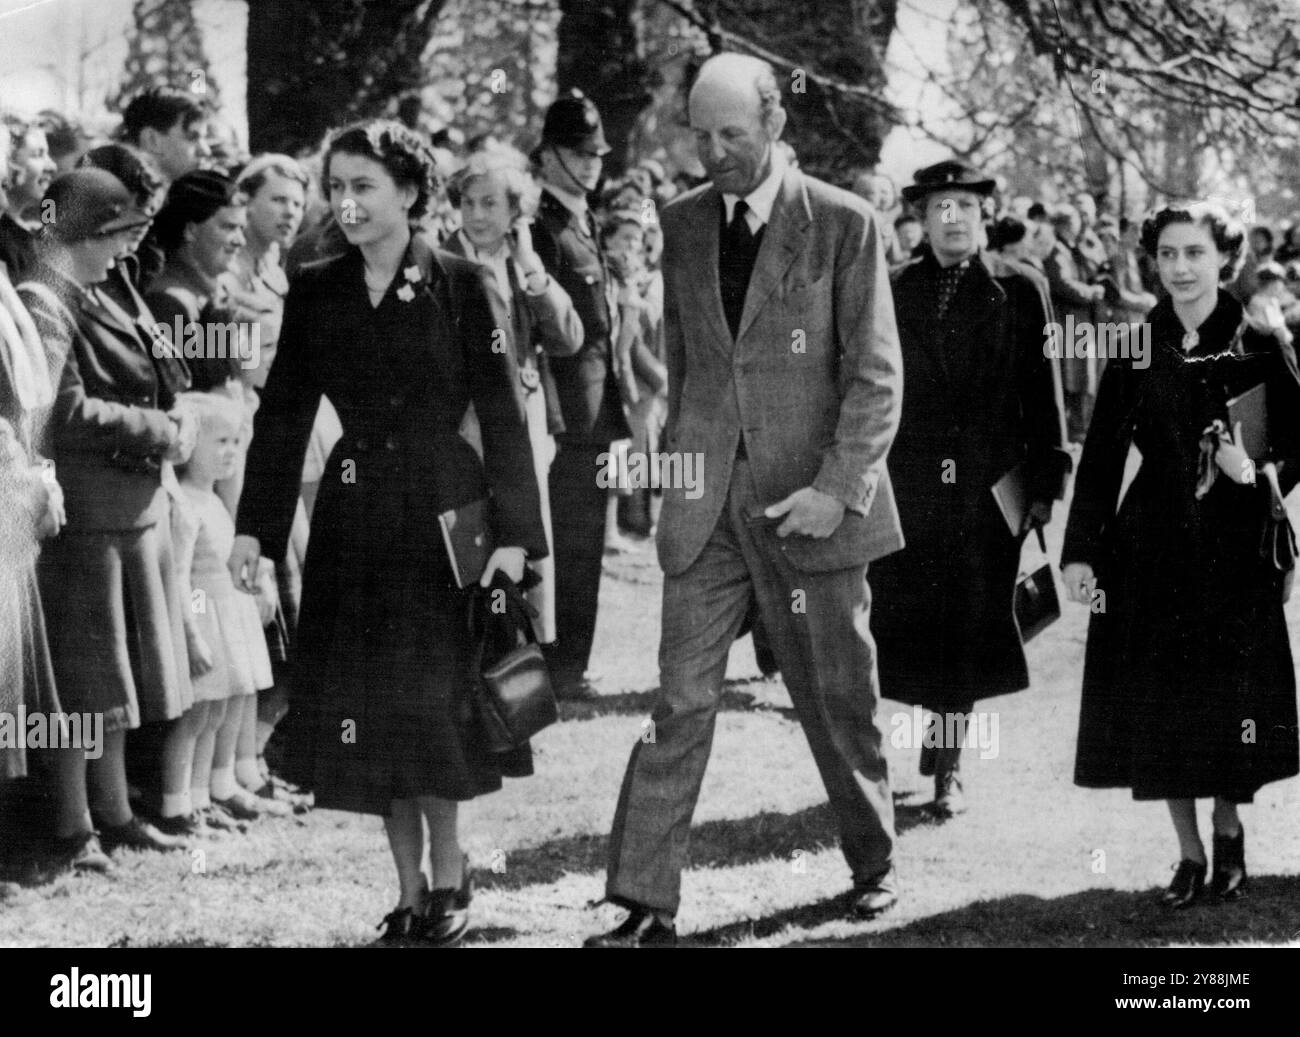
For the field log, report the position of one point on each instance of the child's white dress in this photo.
(225, 617)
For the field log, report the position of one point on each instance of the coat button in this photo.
(394, 401)
(390, 443)
(362, 445)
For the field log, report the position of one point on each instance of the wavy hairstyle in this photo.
(1227, 233)
(405, 156)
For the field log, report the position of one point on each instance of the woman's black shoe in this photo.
(1229, 875)
(1188, 884)
(401, 928)
(446, 917)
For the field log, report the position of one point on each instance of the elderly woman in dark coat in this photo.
(1188, 684)
(400, 339)
(980, 401)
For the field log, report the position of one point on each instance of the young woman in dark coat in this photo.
(400, 339)
(1188, 685)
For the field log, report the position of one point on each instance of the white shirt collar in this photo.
(575, 203)
(496, 261)
(762, 198)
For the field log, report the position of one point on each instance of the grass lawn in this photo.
(1036, 861)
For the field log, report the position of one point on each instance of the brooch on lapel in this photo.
(412, 274)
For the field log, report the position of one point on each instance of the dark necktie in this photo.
(738, 249)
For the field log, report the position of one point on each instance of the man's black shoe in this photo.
(876, 895)
(641, 928)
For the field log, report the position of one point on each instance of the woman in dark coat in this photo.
(1188, 685)
(400, 339)
(980, 400)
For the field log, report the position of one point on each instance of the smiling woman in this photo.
(1188, 682)
(30, 171)
(400, 339)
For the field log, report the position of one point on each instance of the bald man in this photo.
(785, 384)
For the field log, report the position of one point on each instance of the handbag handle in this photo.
(518, 608)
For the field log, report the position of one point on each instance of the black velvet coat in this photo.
(978, 400)
(380, 703)
(1188, 684)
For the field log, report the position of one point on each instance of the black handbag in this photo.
(1036, 603)
(515, 698)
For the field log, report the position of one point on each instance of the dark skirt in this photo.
(381, 704)
(1189, 687)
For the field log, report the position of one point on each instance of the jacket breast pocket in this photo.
(808, 308)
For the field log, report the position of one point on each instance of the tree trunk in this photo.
(313, 66)
(600, 53)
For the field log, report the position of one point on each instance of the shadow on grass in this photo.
(1268, 913)
(734, 699)
(714, 844)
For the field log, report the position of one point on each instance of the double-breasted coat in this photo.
(1188, 683)
(380, 704)
(980, 400)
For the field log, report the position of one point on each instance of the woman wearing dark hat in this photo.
(1188, 683)
(980, 403)
(113, 611)
(400, 339)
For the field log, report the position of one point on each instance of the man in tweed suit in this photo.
(785, 379)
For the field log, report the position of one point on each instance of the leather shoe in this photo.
(138, 835)
(1229, 875)
(876, 895)
(82, 852)
(1187, 886)
(446, 913)
(641, 928)
(949, 797)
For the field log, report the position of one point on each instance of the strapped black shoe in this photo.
(642, 928)
(1187, 886)
(400, 927)
(446, 913)
(1229, 876)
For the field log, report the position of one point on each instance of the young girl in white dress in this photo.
(223, 629)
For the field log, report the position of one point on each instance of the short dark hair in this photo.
(1226, 232)
(193, 198)
(620, 218)
(1037, 211)
(402, 152)
(159, 108)
(1261, 229)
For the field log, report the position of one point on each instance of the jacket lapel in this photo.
(783, 240)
